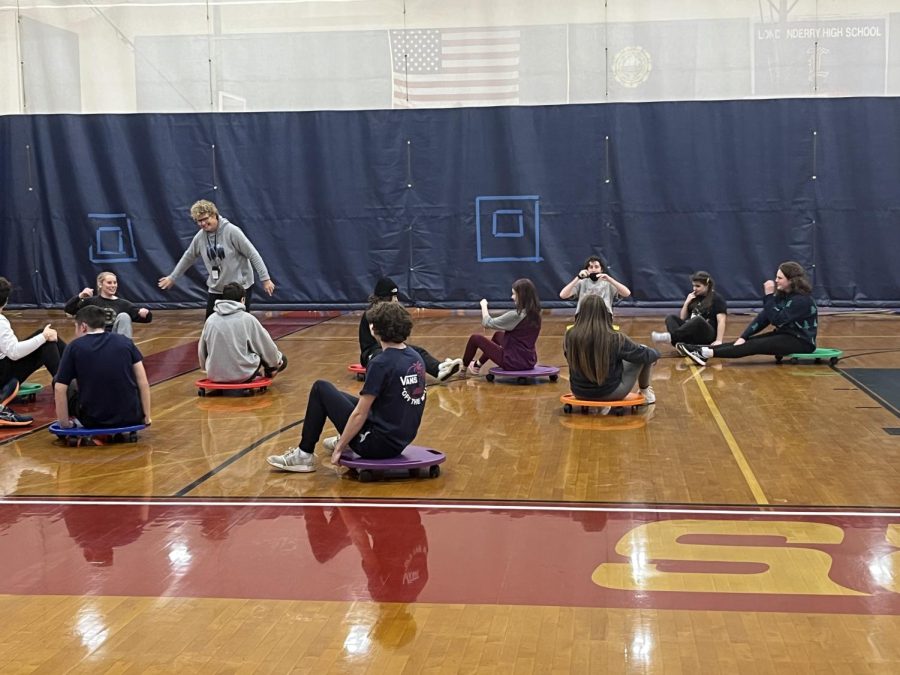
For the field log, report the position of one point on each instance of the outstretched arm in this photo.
(143, 388)
(61, 397)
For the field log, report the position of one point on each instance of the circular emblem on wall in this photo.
(631, 66)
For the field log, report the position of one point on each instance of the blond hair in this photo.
(203, 207)
(103, 275)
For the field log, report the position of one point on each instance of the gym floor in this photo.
(749, 521)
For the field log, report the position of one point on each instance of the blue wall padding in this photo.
(333, 200)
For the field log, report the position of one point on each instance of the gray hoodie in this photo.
(239, 257)
(233, 343)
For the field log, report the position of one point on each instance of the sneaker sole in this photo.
(699, 360)
(16, 424)
(293, 469)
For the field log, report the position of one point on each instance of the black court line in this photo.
(235, 457)
(884, 403)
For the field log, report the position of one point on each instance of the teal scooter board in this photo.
(818, 356)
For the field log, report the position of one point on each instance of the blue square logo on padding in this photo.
(113, 238)
(515, 228)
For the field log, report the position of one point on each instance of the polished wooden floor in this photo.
(735, 438)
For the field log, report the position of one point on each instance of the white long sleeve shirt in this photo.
(11, 348)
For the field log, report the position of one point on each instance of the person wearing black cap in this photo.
(386, 291)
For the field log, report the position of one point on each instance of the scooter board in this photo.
(28, 391)
(570, 403)
(260, 383)
(413, 458)
(79, 434)
(521, 376)
(821, 354)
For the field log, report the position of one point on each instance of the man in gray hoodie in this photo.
(226, 253)
(234, 345)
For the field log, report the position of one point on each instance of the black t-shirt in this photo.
(396, 378)
(103, 365)
(710, 312)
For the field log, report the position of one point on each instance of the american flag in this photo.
(440, 68)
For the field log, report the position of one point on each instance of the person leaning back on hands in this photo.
(227, 254)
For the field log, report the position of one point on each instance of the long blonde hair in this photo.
(591, 343)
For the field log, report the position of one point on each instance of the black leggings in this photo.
(693, 331)
(46, 355)
(774, 344)
(327, 402)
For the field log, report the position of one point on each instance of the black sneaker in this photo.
(8, 391)
(272, 372)
(10, 419)
(692, 352)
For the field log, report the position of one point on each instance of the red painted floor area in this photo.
(791, 562)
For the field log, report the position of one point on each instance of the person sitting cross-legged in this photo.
(386, 416)
(101, 379)
(234, 346)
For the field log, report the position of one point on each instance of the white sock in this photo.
(706, 352)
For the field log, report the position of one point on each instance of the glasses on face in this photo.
(203, 220)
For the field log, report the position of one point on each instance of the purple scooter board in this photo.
(413, 458)
(521, 376)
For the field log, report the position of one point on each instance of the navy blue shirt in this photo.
(396, 378)
(103, 365)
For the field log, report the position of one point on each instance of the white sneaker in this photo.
(330, 442)
(448, 369)
(649, 395)
(294, 460)
(662, 337)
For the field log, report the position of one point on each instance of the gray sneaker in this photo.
(294, 460)
(330, 442)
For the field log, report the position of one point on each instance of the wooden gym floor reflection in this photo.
(749, 521)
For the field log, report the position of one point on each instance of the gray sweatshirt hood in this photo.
(226, 307)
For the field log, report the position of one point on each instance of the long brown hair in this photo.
(704, 278)
(592, 342)
(797, 276)
(527, 300)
